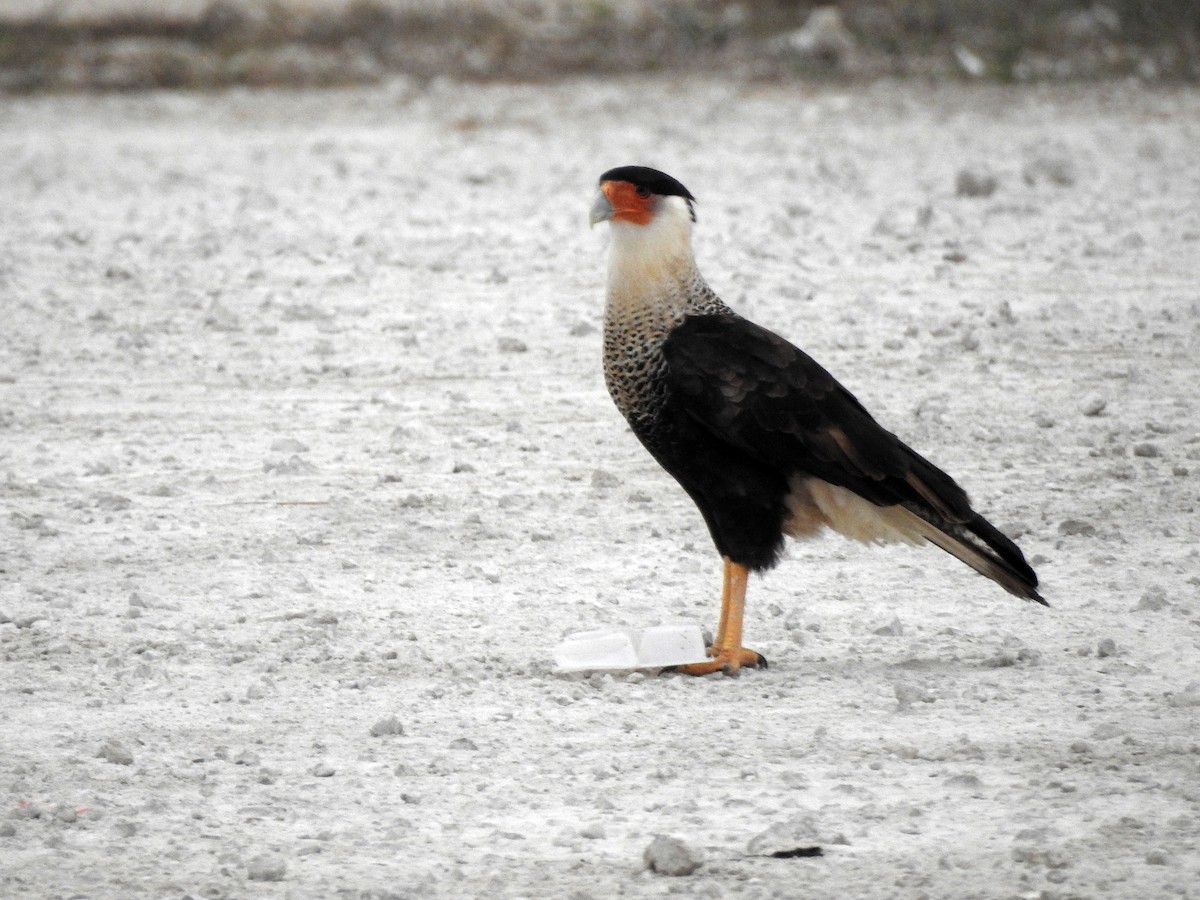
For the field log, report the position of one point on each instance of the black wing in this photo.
(755, 391)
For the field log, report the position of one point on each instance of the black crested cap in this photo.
(654, 181)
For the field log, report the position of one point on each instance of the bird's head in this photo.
(641, 196)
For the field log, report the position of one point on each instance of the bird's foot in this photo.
(729, 661)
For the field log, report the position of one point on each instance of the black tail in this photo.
(987, 551)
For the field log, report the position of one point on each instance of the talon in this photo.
(730, 661)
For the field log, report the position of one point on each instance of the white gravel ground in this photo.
(306, 463)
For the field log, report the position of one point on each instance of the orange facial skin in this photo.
(629, 205)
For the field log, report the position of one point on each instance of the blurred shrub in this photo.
(307, 42)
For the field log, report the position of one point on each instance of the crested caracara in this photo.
(764, 440)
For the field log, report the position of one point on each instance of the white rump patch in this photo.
(814, 504)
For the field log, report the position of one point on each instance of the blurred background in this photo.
(135, 44)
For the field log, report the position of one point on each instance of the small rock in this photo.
(975, 182)
(593, 832)
(1147, 450)
(1076, 527)
(266, 868)
(115, 752)
(1106, 647)
(65, 813)
(113, 502)
(511, 345)
(463, 743)
(1185, 699)
(1153, 599)
(293, 465)
(908, 694)
(288, 445)
(894, 628)
(671, 856)
(388, 725)
(786, 836)
(602, 479)
(1157, 857)
(966, 781)
(220, 318)
(323, 770)
(1093, 405)
(8, 829)
(1057, 169)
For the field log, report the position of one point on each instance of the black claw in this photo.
(762, 662)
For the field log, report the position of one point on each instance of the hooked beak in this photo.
(601, 210)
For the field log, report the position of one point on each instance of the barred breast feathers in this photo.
(653, 281)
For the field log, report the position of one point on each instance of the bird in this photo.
(765, 441)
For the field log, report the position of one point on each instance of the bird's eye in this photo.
(642, 192)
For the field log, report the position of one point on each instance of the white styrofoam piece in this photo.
(596, 650)
(629, 648)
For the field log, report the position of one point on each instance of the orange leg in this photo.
(728, 654)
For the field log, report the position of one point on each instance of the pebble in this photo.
(511, 345)
(323, 770)
(786, 836)
(1058, 170)
(894, 628)
(1076, 527)
(288, 445)
(1093, 405)
(65, 813)
(602, 478)
(1153, 599)
(975, 182)
(1106, 647)
(670, 856)
(115, 752)
(266, 868)
(1147, 450)
(387, 725)
(293, 465)
(908, 694)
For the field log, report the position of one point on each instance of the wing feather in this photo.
(756, 392)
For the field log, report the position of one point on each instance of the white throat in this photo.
(652, 263)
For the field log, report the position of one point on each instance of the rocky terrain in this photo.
(306, 463)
